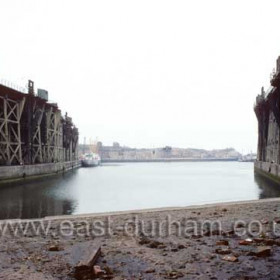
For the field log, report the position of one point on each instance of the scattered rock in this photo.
(248, 267)
(223, 251)
(174, 249)
(155, 244)
(108, 270)
(263, 251)
(150, 270)
(270, 242)
(54, 248)
(264, 221)
(174, 275)
(213, 232)
(240, 225)
(222, 243)
(217, 232)
(97, 271)
(246, 242)
(262, 235)
(228, 233)
(144, 241)
(197, 236)
(260, 251)
(230, 258)
(258, 240)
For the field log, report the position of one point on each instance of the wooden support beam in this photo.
(8, 161)
(37, 155)
(10, 135)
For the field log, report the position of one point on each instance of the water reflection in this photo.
(37, 198)
(134, 186)
(268, 188)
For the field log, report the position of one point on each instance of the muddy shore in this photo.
(222, 241)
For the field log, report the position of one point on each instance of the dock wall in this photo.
(267, 110)
(24, 171)
(269, 170)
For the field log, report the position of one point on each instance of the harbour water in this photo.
(130, 186)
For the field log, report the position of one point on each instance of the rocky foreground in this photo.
(225, 241)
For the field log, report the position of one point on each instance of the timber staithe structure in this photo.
(35, 138)
(267, 109)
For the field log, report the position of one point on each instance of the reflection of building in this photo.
(35, 199)
(268, 188)
(267, 110)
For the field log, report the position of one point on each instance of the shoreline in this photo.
(160, 209)
(180, 253)
(149, 210)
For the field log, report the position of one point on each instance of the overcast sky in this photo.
(147, 73)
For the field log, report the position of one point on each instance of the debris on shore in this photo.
(181, 251)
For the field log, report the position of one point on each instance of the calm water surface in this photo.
(127, 186)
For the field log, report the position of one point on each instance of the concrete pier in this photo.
(26, 171)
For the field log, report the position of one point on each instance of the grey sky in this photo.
(147, 73)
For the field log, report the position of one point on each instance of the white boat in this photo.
(91, 159)
(248, 158)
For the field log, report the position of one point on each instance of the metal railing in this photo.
(14, 86)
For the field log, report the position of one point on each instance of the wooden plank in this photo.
(83, 258)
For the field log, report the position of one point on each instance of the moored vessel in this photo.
(90, 160)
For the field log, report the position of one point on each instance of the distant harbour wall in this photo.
(24, 171)
(168, 160)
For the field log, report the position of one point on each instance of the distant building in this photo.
(118, 152)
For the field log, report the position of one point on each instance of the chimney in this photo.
(30, 87)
